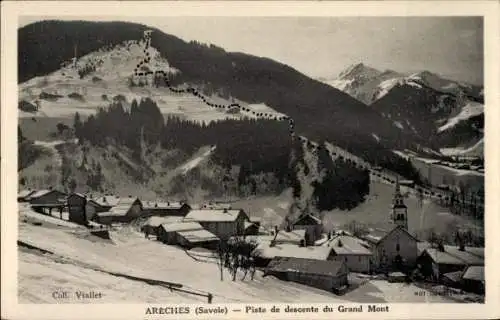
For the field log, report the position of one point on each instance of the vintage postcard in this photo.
(305, 160)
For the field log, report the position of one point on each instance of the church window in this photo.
(397, 247)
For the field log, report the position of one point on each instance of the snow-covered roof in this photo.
(312, 218)
(25, 193)
(345, 245)
(377, 235)
(40, 193)
(308, 266)
(181, 226)
(107, 201)
(212, 215)
(474, 273)
(122, 207)
(454, 276)
(162, 205)
(157, 221)
(264, 250)
(452, 255)
(194, 236)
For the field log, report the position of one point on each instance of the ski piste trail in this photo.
(391, 178)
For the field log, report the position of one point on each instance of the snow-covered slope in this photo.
(81, 262)
(471, 109)
(361, 81)
(445, 112)
(66, 93)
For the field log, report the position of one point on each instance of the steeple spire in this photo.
(399, 210)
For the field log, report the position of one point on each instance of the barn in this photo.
(327, 275)
(394, 250)
(166, 208)
(354, 252)
(126, 210)
(44, 201)
(223, 223)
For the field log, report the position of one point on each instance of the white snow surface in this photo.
(477, 148)
(470, 110)
(385, 86)
(193, 163)
(81, 263)
(340, 84)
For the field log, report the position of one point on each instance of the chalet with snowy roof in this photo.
(23, 195)
(152, 225)
(310, 223)
(223, 223)
(354, 252)
(435, 261)
(187, 234)
(166, 208)
(328, 275)
(266, 251)
(44, 201)
(126, 210)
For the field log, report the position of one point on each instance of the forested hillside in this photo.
(260, 149)
(320, 112)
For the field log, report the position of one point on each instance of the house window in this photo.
(397, 247)
(359, 258)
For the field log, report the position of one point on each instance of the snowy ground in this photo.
(83, 263)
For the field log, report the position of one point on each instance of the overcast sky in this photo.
(324, 46)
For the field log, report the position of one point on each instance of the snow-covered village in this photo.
(157, 169)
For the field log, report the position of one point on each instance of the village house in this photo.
(44, 201)
(351, 250)
(436, 261)
(23, 195)
(82, 208)
(152, 225)
(187, 234)
(392, 250)
(312, 225)
(267, 250)
(327, 275)
(223, 223)
(126, 210)
(165, 208)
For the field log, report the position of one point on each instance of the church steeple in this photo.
(399, 210)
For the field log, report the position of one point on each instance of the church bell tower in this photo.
(399, 212)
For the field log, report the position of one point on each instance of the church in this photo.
(394, 249)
